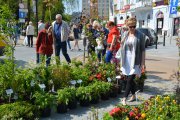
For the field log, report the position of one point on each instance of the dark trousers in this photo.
(69, 45)
(63, 46)
(30, 40)
(130, 86)
(42, 58)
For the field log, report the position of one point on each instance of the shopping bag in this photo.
(25, 41)
(118, 54)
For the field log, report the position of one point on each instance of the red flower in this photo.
(115, 111)
(98, 76)
(131, 114)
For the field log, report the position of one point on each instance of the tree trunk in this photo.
(29, 10)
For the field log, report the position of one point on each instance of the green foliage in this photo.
(43, 100)
(107, 117)
(84, 93)
(16, 111)
(61, 75)
(65, 95)
(105, 87)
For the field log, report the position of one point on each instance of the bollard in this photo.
(84, 44)
(156, 42)
(164, 38)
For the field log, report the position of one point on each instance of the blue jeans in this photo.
(109, 56)
(63, 46)
(41, 58)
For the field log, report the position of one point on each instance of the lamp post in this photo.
(37, 16)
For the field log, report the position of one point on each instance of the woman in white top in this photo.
(132, 57)
(30, 34)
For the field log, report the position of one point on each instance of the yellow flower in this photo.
(143, 115)
(127, 118)
(159, 118)
(160, 109)
(174, 101)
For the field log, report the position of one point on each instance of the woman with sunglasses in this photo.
(132, 57)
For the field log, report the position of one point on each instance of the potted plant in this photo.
(114, 90)
(84, 95)
(18, 110)
(105, 90)
(43, 102)
(63, 97)
(95, 92)
(72, 101)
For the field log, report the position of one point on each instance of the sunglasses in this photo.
(132, 26)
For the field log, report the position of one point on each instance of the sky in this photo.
(76, 9)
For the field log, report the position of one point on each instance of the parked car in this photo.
(151, 36)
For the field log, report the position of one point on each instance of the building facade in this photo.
(153, 14)
(100, 8)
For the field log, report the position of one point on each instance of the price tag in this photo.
(42, 86)
(118, 77)
(79, 81)
(32, 83)
(9, 91)
(73, 82)
(109, 79)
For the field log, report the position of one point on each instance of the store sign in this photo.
(173, 6)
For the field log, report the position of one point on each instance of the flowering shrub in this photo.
(156, 108)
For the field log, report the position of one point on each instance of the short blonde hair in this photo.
(96, 24)
(131, 21)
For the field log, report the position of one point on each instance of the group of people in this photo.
(130, 43)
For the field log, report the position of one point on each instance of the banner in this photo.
(173, 6)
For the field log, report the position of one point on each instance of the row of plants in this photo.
(156, 108)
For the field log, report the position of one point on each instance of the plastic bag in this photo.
(25, 41)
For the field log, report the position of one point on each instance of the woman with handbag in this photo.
(132, 57)
(44, 44)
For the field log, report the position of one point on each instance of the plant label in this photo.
(9, 91)
(79, 81)
(118, 77)
(42, 86)
(73, 82)
(109, 79)
(32, 83)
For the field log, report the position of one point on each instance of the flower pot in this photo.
(105, 96)
(72, 104)
(84, 103)
(46, 112)
(119, 89)
(62, 108)
(1, 101)
(94, 100)
(114, 91)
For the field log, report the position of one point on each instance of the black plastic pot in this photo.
(105, 96)
(62, 108)
(84, 103)
(95, 100)
(119, 89)
(45, 112)
(114, 91)
(72, 104)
